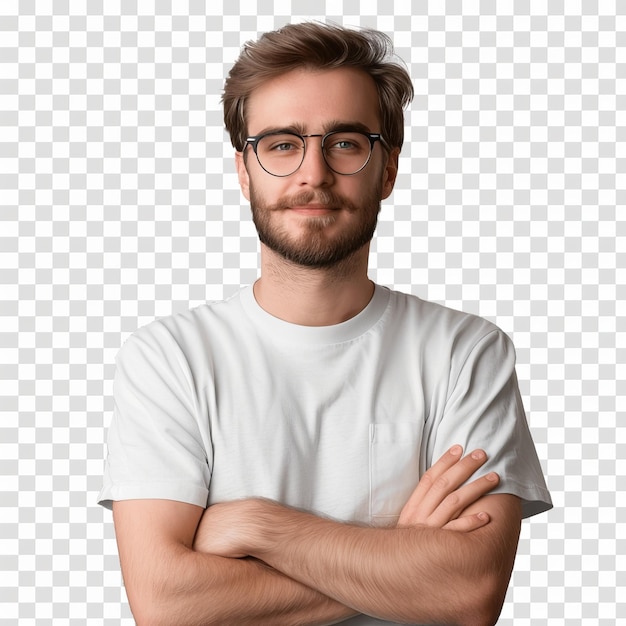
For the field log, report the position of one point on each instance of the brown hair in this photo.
(319, 46)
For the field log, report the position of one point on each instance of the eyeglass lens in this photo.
(282, 154)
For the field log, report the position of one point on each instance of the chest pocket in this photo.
(394, 468)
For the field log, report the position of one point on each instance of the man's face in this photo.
(315, 217)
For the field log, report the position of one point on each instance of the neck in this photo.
(313, 296)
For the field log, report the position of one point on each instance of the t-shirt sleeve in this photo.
(484, 410)
(156, 447)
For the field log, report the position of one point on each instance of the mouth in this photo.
(312, 209)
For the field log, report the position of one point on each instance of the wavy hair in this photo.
(316, 45)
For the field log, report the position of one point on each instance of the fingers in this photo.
(439, 498)
(450, 471)
(448, 460)
(467, 523)
(456, 502)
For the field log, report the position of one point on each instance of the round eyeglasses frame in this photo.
(254, 142)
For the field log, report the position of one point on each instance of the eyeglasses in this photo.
(345, 152)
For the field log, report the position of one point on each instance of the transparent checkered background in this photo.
(119, 204)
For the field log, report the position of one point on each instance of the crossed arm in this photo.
(448, 560)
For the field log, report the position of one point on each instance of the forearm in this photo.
(415, 574)
(204, 589)
(449, 559)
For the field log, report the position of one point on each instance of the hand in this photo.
(439, 500)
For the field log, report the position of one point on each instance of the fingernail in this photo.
(492, 476)
(483, 516)
(478, 454)
(456, 450)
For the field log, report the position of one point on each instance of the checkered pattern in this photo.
(119, 203)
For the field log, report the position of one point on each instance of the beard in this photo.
(316, 247)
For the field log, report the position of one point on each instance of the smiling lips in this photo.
(312, 209)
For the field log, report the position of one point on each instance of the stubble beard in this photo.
(316, 248)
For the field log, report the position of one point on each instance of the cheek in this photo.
(266, 190)
(368, 189)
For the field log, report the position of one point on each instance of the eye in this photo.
(342, 144)
(283, 147)
(280, 143)
(346, 142)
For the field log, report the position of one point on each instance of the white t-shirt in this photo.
(226, 401)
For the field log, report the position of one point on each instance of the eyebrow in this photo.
(332, 126)
(340, 125)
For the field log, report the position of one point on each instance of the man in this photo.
(293, 455)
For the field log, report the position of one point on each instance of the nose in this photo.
(314, 171)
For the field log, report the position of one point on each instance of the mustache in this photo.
(324, 198)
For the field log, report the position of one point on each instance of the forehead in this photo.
(311, 100)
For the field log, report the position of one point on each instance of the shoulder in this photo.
(440, 324)
(184, 332)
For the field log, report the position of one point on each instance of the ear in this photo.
(390, 173)
(242, 174)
